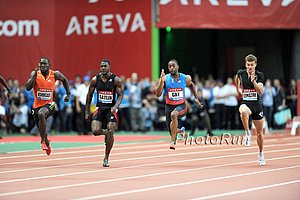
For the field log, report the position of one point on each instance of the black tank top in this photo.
(106, 92)
(249, 92)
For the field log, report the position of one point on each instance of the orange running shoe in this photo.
(46, 148)
(48, 151)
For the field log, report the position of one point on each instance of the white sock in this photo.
(248, 132)
(261, 154)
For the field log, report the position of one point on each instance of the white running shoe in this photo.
(172, 145)
(182, 135)
(261, 160)
(248, 139)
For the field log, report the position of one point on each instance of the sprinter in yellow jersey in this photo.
(42, 80)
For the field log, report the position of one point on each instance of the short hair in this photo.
(251, 58)
(44, 60)
(175, 61)
(105, 60)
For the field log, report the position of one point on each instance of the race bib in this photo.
(175, 94)
(44, 94)
(105, 96)
(249, 95)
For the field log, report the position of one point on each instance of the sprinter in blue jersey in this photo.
(174, 85)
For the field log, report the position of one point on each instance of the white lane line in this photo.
(130, 159)
(143, 165)
(184, 183)
(125, 153)
(83, 151)
(247, 190)
(151, 175)
(116, 148)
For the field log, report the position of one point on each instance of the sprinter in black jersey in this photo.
(110, 92)
(249, 84)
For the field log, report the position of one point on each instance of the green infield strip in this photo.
(18, 143)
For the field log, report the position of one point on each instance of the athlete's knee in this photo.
(174, 115)
(97, 131)
(259, 133)
(41, 115)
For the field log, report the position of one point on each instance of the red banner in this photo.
(75, 35)
(229, 14)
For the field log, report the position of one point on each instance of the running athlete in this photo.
(173, 85)
(42, 80)
(110, 92)
(4, 83)
(249, 84)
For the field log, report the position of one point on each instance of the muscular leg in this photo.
(174, 125)
(109, 138)
(259, 129)
(97, 128)
(245, 112)
(42, 114)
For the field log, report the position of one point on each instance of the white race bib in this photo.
(105, 96)
(249, 95)
(175, 94)
(44, 94)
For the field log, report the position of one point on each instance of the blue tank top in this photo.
(174, 89)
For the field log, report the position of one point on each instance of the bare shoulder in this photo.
(118, 81)
(93, 81)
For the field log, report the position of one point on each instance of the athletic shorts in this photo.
(256, 109)
(182, 109)
(35, 111)
(105, 116)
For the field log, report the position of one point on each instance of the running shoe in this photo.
(182, 134)
(46, 148)
(172, 145)
(248, 139)
(261, 160)
(105, 163)
(48, 151)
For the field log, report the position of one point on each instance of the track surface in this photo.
(149, 170)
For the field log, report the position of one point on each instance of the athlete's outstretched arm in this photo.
(89, 97)
(161, 83)
(120, 92)
(191, 85)
(3, 82)
(59, 76)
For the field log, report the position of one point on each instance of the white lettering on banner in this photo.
(12, 28)
(123, 24)
(106, 24)
(73, 26)
(265, 3)
(91, 24)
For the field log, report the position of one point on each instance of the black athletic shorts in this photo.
(105, 116)
(49, 106)
(182, 109)
(256, 109)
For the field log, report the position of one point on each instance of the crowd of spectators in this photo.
(141, 110)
